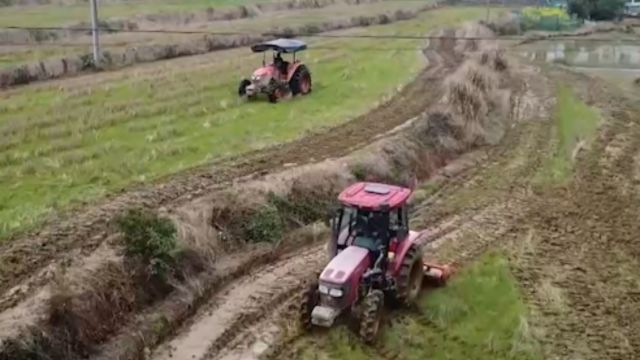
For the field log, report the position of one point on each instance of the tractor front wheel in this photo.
(242, 88)
(371, 316)
(308, 299)
(410, 276)
(300, 83)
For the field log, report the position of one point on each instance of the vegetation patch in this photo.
(265, 225)
(478, 315)
(575, 126)
(150, 239)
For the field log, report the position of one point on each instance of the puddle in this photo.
(616, 61)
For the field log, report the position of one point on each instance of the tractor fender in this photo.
(402, 249)
(292, 69)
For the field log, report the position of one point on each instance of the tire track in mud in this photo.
(81, 230)
(576, 255)
(241, 304)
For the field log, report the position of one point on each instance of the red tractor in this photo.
(280, 78)
(374, 257)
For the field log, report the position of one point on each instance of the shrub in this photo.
(264, 225)
(596, 9)
(149, 238)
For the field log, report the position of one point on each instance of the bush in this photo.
(149, 238)
(547, 18)
(264, 225)
(596, 9)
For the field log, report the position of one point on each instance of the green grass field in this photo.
(56, 15)
(79, 139)
(479, 315)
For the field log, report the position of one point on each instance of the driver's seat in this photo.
(372, 244)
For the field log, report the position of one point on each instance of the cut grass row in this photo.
(79, 139)
(479, 315)
(575, 126)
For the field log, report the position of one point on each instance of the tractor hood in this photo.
(264, 71)
(347, 266)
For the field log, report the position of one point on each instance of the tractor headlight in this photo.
(336, 292)
(257, 78)
(323, 289)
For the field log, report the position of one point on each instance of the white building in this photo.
(632, 8)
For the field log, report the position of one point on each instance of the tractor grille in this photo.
(330, 301)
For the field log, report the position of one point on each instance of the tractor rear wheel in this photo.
(300, 83)
(410, 276)
(308, 299)
(371, 316)
(242, 88)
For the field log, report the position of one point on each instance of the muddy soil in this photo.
(580, 266)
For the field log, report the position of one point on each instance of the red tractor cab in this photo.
(374, 256)
(280, 78)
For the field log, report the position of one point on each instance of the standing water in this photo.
(616, 60)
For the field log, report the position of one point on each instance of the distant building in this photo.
(632, 8)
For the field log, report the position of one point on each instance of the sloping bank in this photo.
(72, 65)
(122, 306)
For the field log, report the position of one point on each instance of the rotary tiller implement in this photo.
(374, 258)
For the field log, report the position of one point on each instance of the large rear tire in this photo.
(308, 299)
(300, 82)
(242, 88)
(371, 316)
(410, 277)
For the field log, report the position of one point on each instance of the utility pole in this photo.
(487, 15)
(94, 32)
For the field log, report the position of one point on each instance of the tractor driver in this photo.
(280, 64)
(367, 234)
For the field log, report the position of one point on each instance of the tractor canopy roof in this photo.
(374, 196)
(280, 45)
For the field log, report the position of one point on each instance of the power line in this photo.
(318, 35)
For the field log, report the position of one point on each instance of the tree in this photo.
(596, 9)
